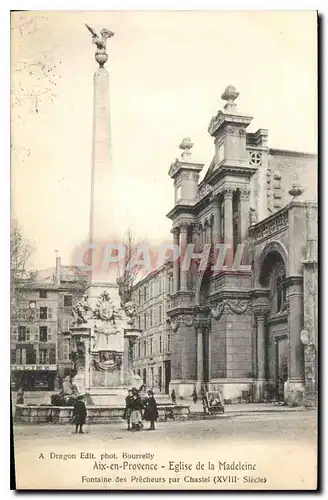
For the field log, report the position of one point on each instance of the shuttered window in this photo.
(23, 356)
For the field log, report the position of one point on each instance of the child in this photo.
(136, 406)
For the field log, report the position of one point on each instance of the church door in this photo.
(281, 372)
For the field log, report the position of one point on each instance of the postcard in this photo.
(164, 263)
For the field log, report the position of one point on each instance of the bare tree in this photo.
(21, 278)
(37, 71)
(127, 274)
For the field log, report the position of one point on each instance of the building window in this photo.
(20, 356)
(68, 300)
(43, 313)
(150, 317)
(255, 158)
(178, 193)
(145, 294)
(160, 378)
(139, 349)
(221, 152)
(280, 291)
(43, 356)
(145, 321)
(43, 334)
(23, 356)
(43, 294)
(66, 352)
(22, 333)
(160, 314)
(139, 295)
(28, 334)
(168, 342)
(160, 344)
(139, 322)
(151, 346)
(65, 324)
(144, 349)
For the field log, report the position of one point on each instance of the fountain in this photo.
(102, 337)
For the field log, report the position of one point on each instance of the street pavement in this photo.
(271, 425)
(282, 445)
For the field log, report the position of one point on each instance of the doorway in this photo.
(281, 366)
(160, 378)
(206, 356)
(167, 369)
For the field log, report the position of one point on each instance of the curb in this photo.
(201, 416)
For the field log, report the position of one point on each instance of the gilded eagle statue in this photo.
(100, 42)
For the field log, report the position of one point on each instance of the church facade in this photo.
(247, 326)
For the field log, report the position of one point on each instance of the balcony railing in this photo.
(181, 299)
(270, 226)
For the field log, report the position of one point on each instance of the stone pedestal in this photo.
(259, 393)
(184, 355)
(81, 346)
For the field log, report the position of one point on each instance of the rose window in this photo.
(255, 158)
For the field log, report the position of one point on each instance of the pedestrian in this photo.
(173, 397)
(79, 414)
(20, 396)
(143, 395)
(136, 416)
(204, 398)
(151, 412)
(127, 412)
(194, 396)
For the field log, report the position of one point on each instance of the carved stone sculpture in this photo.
(100, 42)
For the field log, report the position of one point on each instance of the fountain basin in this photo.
(41, 414)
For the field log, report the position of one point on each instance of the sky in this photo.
(167, 73)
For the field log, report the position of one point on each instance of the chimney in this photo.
(58, 269)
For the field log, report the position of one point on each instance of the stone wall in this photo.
(239, 346)
(291, 166)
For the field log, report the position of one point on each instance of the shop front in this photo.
(33, 377)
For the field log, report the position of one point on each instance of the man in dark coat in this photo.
(173, 397)
(127, 412)
(151, 412)
(79, 414)
(194, 395)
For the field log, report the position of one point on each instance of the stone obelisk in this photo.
(100, 198)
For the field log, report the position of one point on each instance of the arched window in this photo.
(278, 291)
(272, 276)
